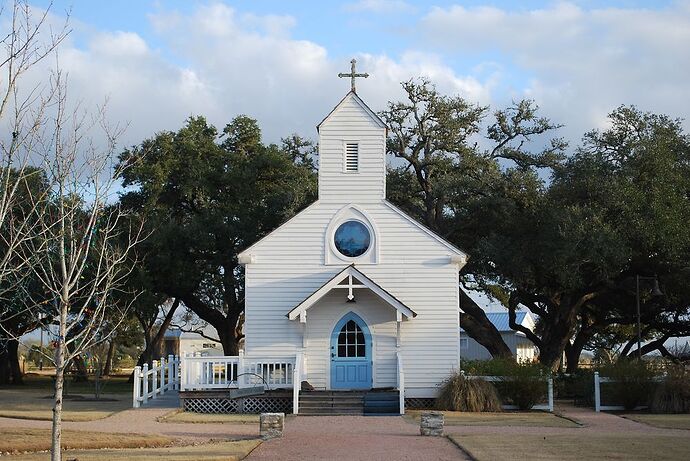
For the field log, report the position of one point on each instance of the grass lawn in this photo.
(506, 418)
(36, 403)
(664, 421)
(110, 384)
(189, 417)
(574, 447)
(25, 439)
(219, 451)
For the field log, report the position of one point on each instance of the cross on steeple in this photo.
(353, 74)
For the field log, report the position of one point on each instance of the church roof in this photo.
(501, 321)
(359, 101)
(351, 271)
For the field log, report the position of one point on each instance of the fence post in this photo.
(171, 376)
(240, 370)
(162, 385)
(183, 372)
(145, 375)
(551, 394)
(154, 376)
(137, 387)
(597, 393)
(176, 372)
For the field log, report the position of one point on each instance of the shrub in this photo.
(523, 384)
(673, 394)
(459, 393)
(633, 385)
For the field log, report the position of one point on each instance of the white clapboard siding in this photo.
(414, 267)
(352, 122)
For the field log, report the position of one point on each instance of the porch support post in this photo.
(398, 324)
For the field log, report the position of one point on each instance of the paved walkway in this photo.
(340, 437)
(355, 438)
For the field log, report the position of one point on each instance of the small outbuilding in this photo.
(522, 348)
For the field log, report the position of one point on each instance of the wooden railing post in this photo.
(145, 387)
(177, 376)
(597, 392)
(163, 386)
(154, 374)
(171, 376)
(401, 384)
(241, 377)
(137, 387)
(183, 372)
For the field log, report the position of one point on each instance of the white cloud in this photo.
(580, 63)
(225, 63)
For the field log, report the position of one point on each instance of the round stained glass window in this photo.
(352, 239)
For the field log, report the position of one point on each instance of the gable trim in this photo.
(298, 311)
(364, 106)
(428, 231)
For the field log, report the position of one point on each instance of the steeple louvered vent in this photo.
(352, 157)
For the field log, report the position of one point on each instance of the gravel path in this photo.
(355, 438)
(145, 421)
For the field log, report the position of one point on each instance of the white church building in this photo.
(358, 293)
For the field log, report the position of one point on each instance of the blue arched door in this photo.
(351, 354)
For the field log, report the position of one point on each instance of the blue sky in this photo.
(161, 61)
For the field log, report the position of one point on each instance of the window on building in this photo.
(464, 343)
(352, 157)
(351, 341)
(352, 239)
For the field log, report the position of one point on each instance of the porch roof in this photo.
(300, 310)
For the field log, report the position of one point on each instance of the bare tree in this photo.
(27, 40)
(83, 240)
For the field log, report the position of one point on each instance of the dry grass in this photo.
(23, 439)
(508, 418)
(663, 421)
(461, 394)
(25, 403)
(574, 447)
(189, 417)
(220, 451)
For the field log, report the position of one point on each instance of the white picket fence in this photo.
(149, 383)
(549, 392)
(598, 380)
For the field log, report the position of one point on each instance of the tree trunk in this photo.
(16, 375)
(153, 343)
(574, 350)
(478, 327)
(55, 448)
(5, 368)
(228, 338)
(107, 369)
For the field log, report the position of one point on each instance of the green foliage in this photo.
(206, 197)
(459, 393)
(578, 386)
(522, 384)
(633, 383)
(672, 395)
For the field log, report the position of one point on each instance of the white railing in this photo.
(401, 384)
(232, 372)
(597, 394)
(149, 383)
(297, 380)
(549, 382)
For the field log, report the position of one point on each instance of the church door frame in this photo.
(351, 372)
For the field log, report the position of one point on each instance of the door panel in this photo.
(351, 355)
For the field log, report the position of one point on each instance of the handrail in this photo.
(149, 383)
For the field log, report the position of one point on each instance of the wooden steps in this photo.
(348, 403)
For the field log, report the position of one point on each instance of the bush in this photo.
(459, 393)
(673, 394)
(523, 384)
(633, 385)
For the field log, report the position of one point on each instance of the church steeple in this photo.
(352, 151)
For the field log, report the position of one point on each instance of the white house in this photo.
(183, 343)
(355, 287)
(522, 348)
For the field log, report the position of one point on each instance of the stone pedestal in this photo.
(271, 425)
(431, 424)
